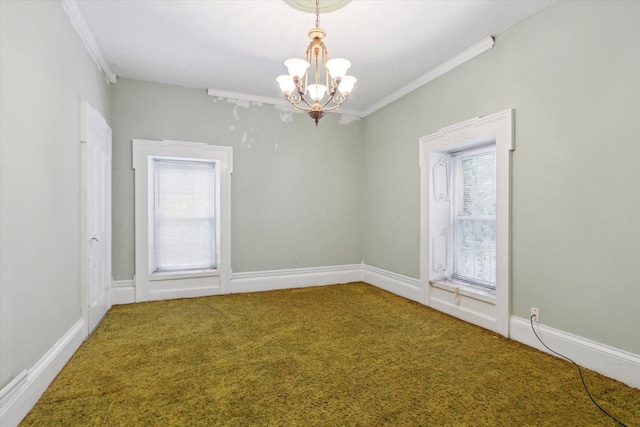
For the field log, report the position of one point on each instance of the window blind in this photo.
(184, 215)
(474, 217)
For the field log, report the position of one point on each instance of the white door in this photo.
(97, 137)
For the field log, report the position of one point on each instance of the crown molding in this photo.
(255, 99)
(464, 56)
(86, 35)
(281, 102)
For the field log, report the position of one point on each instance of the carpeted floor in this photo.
(328, 356)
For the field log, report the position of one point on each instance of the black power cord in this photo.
(581, 377)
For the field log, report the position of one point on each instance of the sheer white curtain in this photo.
(474, 219)
(184, 215)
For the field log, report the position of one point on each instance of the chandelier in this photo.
(316, 99)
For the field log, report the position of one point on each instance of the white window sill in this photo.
(170, 275)
(475, 292)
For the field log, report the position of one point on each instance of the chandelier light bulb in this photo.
(346, 85)
(317, 92)
(297, 67)
(338, 67)
(287, 85)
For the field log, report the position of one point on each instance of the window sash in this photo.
(475, 252)
(473, 217)
(184, 215)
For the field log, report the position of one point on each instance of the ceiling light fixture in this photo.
(337, 85)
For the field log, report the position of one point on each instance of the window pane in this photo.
(476, 251)
(477, 175)
(475, 218)
(184, 215)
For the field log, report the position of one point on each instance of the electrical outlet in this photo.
(535, 312)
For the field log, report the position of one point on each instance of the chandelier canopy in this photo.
(316, 98)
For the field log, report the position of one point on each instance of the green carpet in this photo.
(327, 356)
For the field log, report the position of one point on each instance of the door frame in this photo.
(91, 119)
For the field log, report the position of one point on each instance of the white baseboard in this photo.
(123, 292)
(258, 281)
(395, 283)
(611, 362)
(18, 397)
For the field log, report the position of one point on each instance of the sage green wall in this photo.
(45, 71)
(572, 74)
(296, 188)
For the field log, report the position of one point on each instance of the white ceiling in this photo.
(239, 45)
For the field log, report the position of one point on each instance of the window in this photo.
(184, 220)
(473, 218)
(465, 220)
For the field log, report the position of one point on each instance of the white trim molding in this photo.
(123, 292)
(395, 283)
(609, 361)
(247, 98)
(258, 281)
(86, 35)
(20, 395)
(464, 56)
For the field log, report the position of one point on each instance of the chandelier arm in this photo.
(301, 108)
(340, 99)
(295, 100)
(297, 107)
(300, 96)
(337, 99)
(328, 101)
(304, 99)
(296, 103)
(334, 107)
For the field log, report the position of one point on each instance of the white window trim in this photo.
(491, 312)
(151, 285)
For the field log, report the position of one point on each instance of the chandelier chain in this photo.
(317, 13)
